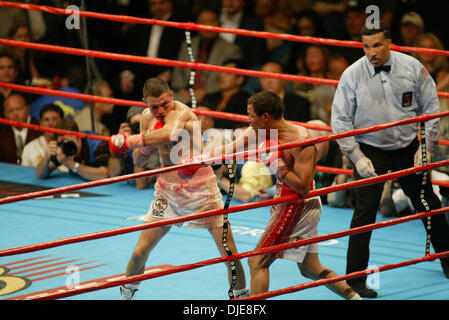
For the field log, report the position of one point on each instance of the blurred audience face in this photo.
(315, 60)
(354, 22)
(232, 7)
(49, 119)
(228, 81)
(271, 84)
(8, 71)
(15, 108)
(104, 108)
(22, 34)
(305, 27)
(426, 59)
(209, 18)
(409, 32)
(336, 67)
(160, 8)
(264, 8)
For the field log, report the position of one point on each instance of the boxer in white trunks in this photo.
(177, 193)
(291, 221)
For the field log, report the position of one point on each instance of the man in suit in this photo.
(14, 138)
(231, 98)
(154, 41)
(234, 15)
(208, 48)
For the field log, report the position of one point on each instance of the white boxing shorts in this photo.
(178, 195)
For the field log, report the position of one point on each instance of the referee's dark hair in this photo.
(383, 27)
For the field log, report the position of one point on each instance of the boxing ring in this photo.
(64, 238)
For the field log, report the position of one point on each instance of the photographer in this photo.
(83, 157)
(126, 165)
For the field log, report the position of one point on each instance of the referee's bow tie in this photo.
(382, 68)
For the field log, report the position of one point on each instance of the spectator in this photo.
(412, 25)
(321, 107)
(313, 64)
(100, 109)
(307, 23)
(354, 20)
(253, 179)
(231, 97)
(34, 151)
(155, 41)
(343, 198)
(297, 108)
(13, 139)
(25, 60)
(86, 158)
(395, 203)
(332, 16)
(126, 165)
(208, 48)
(277, 17)
(234, 15)
(8, 74)
(74, 81)
(437, 66)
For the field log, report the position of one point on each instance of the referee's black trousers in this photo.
(368, 199)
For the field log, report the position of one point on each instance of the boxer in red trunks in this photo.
(177, 193)
(291, 221)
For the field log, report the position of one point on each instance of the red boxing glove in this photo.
(120, 144)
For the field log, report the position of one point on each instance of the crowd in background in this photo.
(413, 23)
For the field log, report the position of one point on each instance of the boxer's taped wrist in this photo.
(136, 140)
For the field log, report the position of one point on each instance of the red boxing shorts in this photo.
(292, 221)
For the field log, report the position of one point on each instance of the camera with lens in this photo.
(68, 148)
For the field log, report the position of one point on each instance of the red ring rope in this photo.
(265, 250)
(239, 155)
(53, 130)
(243, 207)
(365, 181)
(172, 63)
(429, 257)
(196, 27)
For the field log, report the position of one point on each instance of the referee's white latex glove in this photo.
(365, 168)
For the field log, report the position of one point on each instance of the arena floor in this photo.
(33, 274)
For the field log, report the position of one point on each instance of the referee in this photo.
(385, 86)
